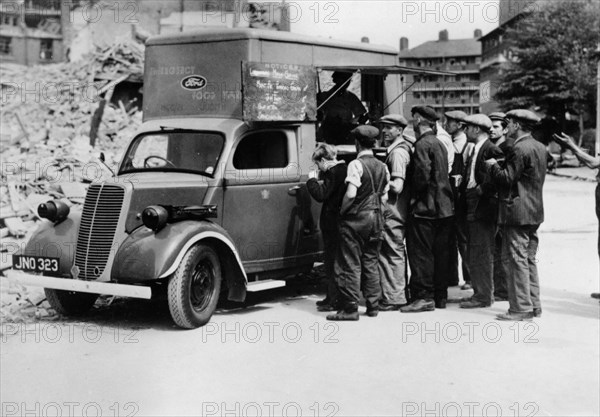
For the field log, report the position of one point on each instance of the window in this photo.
(5, 45)
(46, 52)
(183, 151)
(262, 150)
(417, 96)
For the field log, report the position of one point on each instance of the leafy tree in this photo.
(553, 59)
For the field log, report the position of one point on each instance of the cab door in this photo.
(266, 208)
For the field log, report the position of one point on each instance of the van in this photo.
(209, 199)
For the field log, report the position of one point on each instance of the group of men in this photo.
(473, 188)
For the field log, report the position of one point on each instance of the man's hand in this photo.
(564, 140)
(491, 161)
(313, 174)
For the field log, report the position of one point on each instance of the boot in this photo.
(348, 313)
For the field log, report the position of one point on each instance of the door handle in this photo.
(293, 190)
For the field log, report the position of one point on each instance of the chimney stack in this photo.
(403, 44)
(477, 33)
(443, 35)
(364, 39)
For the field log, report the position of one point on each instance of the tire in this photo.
(70, 302)
(194, 288)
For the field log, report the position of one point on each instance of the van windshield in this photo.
(182, 151)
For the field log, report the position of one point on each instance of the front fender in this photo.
(146, 256)
(56, 240)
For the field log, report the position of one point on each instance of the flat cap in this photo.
(456, 115)
(342, 74)
(427, 112)
(365, 134)
(497, 116)
(480, 120)
(393, 119)
(523, 115)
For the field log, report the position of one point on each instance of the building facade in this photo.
(443, 92)
(31, 31)
(44, 31)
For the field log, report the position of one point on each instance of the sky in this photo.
(385, 21)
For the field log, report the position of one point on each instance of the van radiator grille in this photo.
(101, 211)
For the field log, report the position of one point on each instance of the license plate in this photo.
(44, 264)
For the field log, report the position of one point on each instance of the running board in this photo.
(267, 284)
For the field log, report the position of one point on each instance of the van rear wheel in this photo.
(194, 288)
(70, 302)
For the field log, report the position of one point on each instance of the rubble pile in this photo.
(45, 121)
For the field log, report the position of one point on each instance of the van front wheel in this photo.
(194, 288)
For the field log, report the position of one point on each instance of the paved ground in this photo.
(279, 356)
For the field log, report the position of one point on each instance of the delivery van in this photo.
(209, 199)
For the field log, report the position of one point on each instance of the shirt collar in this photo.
(461, 137)
(365, 152)
(478, 145)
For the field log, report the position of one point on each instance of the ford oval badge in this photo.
(193, 82)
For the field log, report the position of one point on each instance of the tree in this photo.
(553, 59)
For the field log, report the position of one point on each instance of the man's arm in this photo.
(511, 173)
(487, 186)
(568, 142)
(398, 164)
(348, 198)
(321, 191)
(422, 171)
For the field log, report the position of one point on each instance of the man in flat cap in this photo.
(481, 205)
(431, 216)
(521, 212)
(455, 126)
(361, 228)
(499, 131)
(498, 138)
(339, 110)
(392, 257)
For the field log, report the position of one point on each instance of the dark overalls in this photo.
(356, 266)
(458, 233)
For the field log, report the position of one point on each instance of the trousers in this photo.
(499, 275)
(427, 244)
(330, 247)
(392, 263)
(458, 244)
(356, 265)
(480, 259)
(519, 249)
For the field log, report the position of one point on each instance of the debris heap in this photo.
(45, 151)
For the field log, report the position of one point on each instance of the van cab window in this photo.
(262, 150)
(196, 152)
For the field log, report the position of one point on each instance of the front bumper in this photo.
(121, 290)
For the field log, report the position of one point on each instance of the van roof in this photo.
(216, 35)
